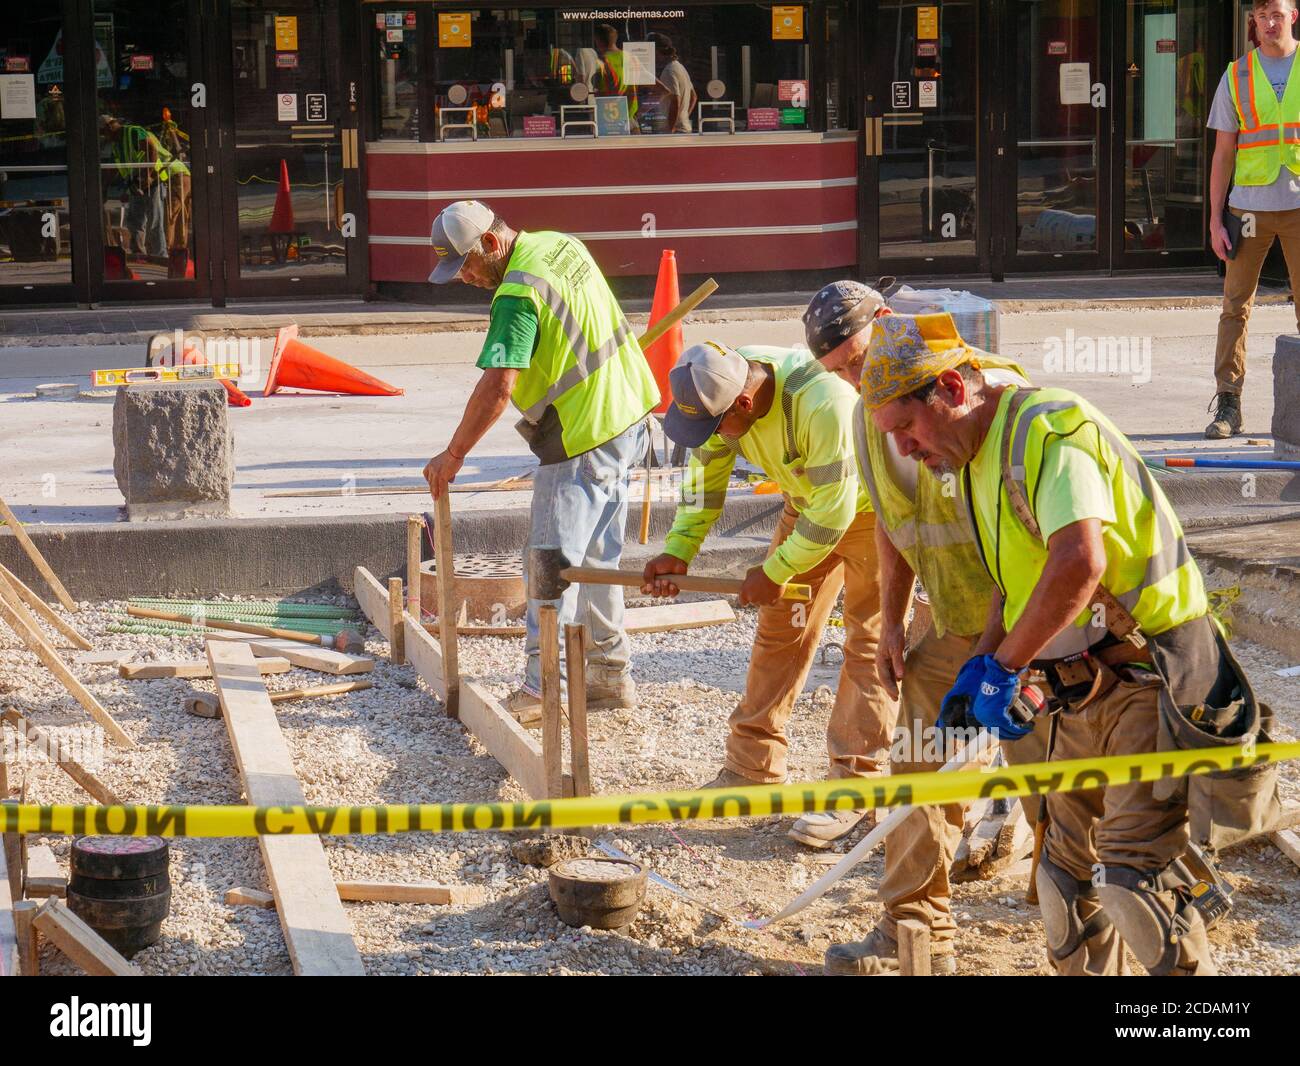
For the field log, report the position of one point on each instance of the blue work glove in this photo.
(961, 697)
(994, 705)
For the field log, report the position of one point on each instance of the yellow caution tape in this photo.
(755, 801)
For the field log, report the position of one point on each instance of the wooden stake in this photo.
(575, 654)
(38, 560)
(552, 751)
(41, 740)
(446, 556)
(29, 948)
(44, 610)
(414, 553)
(913, 948)
(9, 895)
(397, 631)
(32, 637)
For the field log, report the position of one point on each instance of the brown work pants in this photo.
(1121, 825)
(1239, 285)
(919, 853)
(857, 738)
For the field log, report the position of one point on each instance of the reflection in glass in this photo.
(1057, 127)
(35, 237)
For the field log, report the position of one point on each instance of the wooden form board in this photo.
(79, 942)
(509, 742)
(44, 877)
(424, 653)
(370, 892)
(373, 599)
(316, 930)
(308, 656)
(195, 670)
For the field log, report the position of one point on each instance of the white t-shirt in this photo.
(679, 84)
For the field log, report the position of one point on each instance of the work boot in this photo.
(609, 690)
(730, 779)
(820, 829)
(524, 707)
(877, 955)
(1227, 416)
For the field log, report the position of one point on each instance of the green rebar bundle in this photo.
(319, 627)
(233, 611)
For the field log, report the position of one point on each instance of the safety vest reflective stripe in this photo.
(589, 360)
(796, 381)
(1243, 93)
(816, 533)
(1171, 556)
(828, 473)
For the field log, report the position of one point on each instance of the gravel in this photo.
(391, 744)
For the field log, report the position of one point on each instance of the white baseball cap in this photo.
(456, 231)
(704, 383)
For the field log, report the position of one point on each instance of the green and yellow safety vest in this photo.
(1148, 566)
(1270, 130)
(587, 362)
(931, 530)
(804, 443)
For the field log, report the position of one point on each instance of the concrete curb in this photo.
(277, 556)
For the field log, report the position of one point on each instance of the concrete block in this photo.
(1286, 397)
(173, 455)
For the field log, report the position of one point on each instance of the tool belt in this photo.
(545, 437)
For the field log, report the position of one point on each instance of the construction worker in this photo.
(785, 414)
(559, 347)
(609, 78)
(922, 531)
(1095, 586)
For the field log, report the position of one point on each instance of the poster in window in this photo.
(17, 96)
(286, 107)
(764, 118)
(639, 62)
(17, 65)
(787, 23)
(793, 91)
(612, 116)
(927, 94)
(286, 33)
(286, 60)
(927, 23)
(1076, 83)
(901, 93)
(454, 30)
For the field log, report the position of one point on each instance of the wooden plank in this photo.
(507, 741)
(423, 652)
(418, 892)
(443, 550)
(575, 655)
(44, 610)
(195, 669)
(53, 750)
(1287, 841)
(552, 748)
(107, 657)
(316, 930)
(8, 897)
(396, 627)
(38, 560)
(666, 617)
(372, 599)
(658, 618)
(414, 553)
(79, 942)
(44, 877)
(326, 660)
(249, 897)
(913, 948)
(29, 954)
(32, 637)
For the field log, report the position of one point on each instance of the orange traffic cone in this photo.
(664, 353)
(297, 366)
(234, 397)
(282, 216)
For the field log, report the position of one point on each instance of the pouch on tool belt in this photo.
(545, 438)
(1228, 806)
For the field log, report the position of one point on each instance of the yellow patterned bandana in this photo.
(908, 351)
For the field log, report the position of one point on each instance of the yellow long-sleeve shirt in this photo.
(805, 444)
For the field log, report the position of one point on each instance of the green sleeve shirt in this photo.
(511, 335)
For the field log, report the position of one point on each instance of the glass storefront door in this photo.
(923, 134)
(291, 189)
(36, 236)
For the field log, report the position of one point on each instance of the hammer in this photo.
(346, 640)
(206, 705)
(550, 575)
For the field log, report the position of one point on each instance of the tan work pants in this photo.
(919, 853)
(858, 736)
(1239, 285)
(1122, 825)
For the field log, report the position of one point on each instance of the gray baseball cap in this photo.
(704, 383)
(837, 312)
(456, 231)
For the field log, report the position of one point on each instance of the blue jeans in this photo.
(580, 508)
